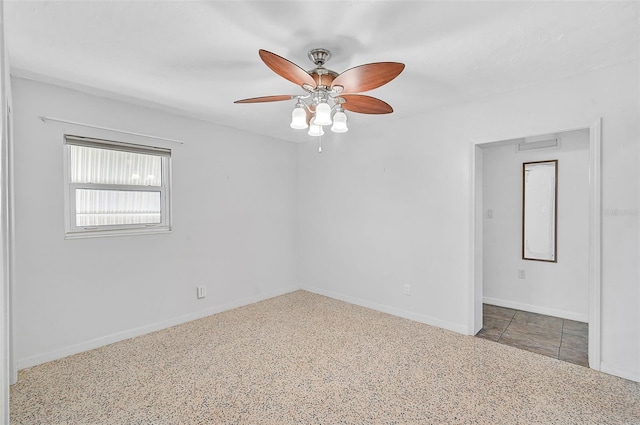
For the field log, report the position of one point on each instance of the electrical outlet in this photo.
(522, 274)
(406, 289)
(201, 291)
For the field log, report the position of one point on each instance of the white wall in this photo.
(392, 204)
(560, 289)
(234, 228)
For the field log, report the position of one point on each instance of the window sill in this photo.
(119, 232)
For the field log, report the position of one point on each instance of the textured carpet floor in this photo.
(307, 359)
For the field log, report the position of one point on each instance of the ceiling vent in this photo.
(538, 142)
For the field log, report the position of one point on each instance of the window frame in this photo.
(72, 231)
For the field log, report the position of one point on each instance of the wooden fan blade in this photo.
(286, 69)
(276, 98)
(367, 77)
(365, 104)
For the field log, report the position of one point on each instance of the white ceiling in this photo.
(198, 57)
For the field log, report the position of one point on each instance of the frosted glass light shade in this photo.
(299, 118)
(315, 129)
(339, 123)
(323, 114)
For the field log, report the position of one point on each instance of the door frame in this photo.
(595, 234)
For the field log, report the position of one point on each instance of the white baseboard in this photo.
(626, 374)
(428, 320)
(131, 333)
(537, 309)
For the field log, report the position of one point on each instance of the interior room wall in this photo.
(560, 289)
(234, 227)
(391, 203)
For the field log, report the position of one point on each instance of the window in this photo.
(116, 188)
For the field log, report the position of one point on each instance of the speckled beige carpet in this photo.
(307, 359)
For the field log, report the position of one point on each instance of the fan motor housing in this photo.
(323, 76)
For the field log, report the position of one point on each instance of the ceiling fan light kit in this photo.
(328, 92)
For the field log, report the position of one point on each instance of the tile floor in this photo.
(547, 335)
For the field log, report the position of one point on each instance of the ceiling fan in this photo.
(327, 91)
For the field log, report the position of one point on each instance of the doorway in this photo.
(551, 336)
(525, 308)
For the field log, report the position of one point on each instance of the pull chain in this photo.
(320, 83)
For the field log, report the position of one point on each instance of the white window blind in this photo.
(105, 166)
(114, 207)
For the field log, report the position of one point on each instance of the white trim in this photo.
(474, 323)
(622, 373)
(595, 229)
(512, 138)
(8, 373)
(537, 309)
(595, 244)
(421, 318)
(73, 214)
(119, 232)
(143, 330)
(10, 245)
